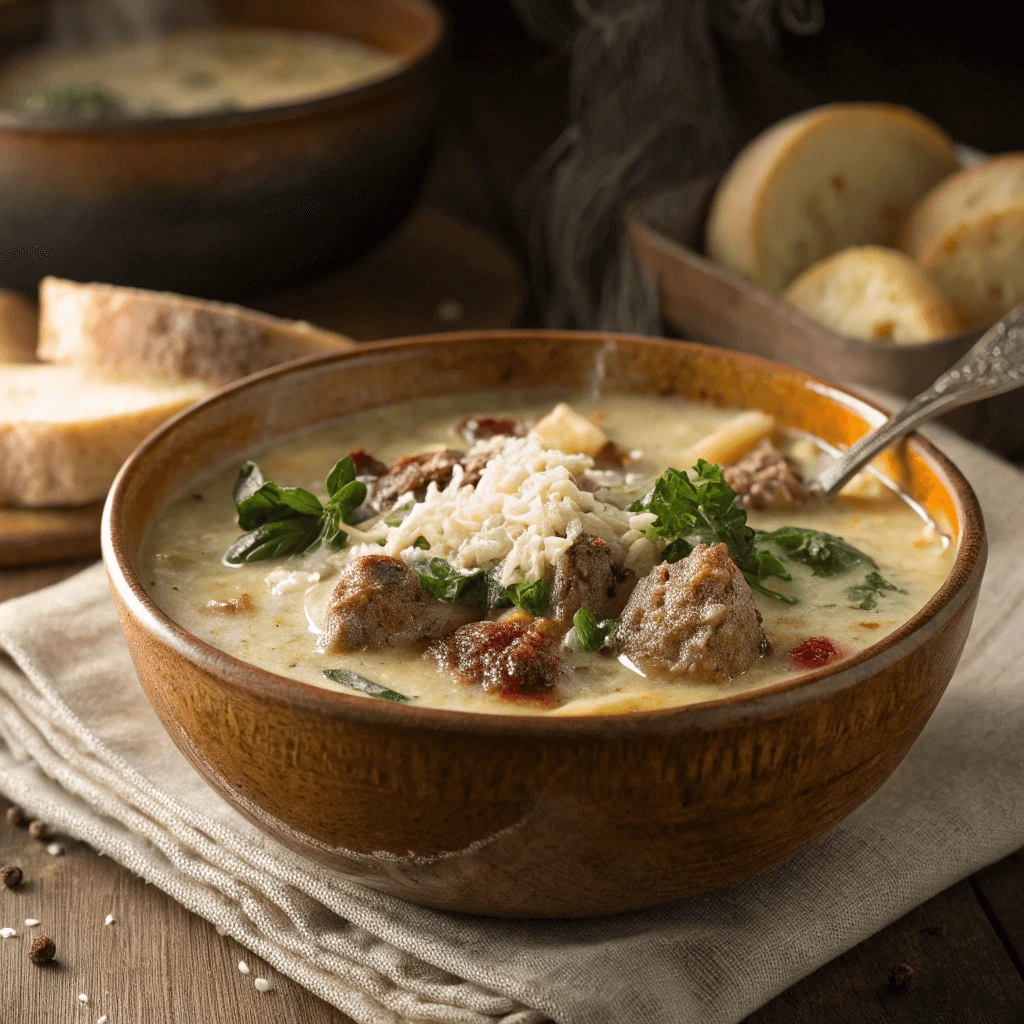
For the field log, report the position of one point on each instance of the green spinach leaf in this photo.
(826, 554)
(531, 597)
(273, 540)
(590, 635)
(871, 589)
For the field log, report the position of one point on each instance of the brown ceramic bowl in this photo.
(524, 816)
(236, 203)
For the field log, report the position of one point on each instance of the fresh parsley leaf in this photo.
(706, 511)
(871, 589)
(590, 635)
(531, 597)
(274, 539)
(676, 550)
(354, 681)
(827, 555)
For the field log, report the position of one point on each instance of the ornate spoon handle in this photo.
(993, 366)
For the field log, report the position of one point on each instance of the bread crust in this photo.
(132, 331)
(765, 182)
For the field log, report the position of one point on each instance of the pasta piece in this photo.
(735, 439)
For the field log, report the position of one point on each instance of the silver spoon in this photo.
(993, 366)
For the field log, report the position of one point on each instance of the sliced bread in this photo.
(839, 175)
(133, 331)
(65, 431)
(19, 327)
(876, 294)
(968, 235)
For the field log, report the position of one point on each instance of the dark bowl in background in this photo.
(228, 204)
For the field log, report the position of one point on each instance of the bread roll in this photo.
(132, 331)
(968, 235)
(817, 182)
(64, 431)
(876, 294)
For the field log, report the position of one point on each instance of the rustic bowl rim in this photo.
(435, 42)
(959, 586)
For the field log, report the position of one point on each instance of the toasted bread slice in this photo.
(65, 431)
(132, 331)
(968, 235)
(876, 294)
(19, 327)
(839, 175)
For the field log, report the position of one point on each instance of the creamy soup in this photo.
(522, 506)
(190, 73)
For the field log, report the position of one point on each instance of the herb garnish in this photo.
(480, 587)
(291, 520)
(74, 98)
(705, 511)
(354, 681)
(590, 635)
(826, 554)
(871, 589)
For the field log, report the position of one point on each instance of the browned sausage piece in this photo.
(483, 428)
(510, 656)
(695, 616)
(586, 576)
(413, 473)
(380, 602)
(765, 479)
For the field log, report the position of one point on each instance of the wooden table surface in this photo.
(159, 964)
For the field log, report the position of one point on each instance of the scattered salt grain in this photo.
(8, 933)
(31, 922)
(102, 1020)
(243, 967)
(262, 985)
(83, 998)
(55, 850)
(108, 920)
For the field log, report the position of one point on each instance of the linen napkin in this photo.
(84, 751)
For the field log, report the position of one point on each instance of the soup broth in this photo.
(270, 612)
(190, 73)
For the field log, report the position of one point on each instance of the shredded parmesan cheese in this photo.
(517, 515)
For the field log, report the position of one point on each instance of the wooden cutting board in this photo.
(31, 536)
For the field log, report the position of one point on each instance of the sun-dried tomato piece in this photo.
(366, 464)
(814, 652)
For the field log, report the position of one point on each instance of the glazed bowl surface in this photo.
(532, 816)
(234, 203)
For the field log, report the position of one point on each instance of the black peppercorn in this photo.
(42, 950)
(901, 976)
(37, 829)
(11, 876)
(16, 816)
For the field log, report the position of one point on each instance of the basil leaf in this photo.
(347, 498)
(247, 483)
(871, 589)
(447, 583)
(676, 550)
(590, 635)
(354, 681)
(756, 584)
(827, 555)
(344, 472)
(271, 502)
(531, 597)
(272, 540)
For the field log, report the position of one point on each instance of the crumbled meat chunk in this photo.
(765, 479)
(483, 428)
(694, 616)
(510, 656)
(242, 603)
(611, 456)
(589, 576)
(380, 602)
(413, 473)
(366, 464)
